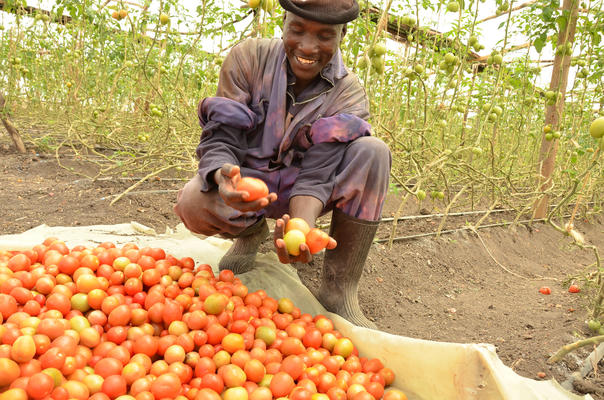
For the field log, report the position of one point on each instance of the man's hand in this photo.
(227, 178)
(284, 256)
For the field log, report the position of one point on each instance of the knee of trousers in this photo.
(373, 152)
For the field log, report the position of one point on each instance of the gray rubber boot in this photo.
(343, 266)
(241, 256)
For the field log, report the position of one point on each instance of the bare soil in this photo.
(458, 287)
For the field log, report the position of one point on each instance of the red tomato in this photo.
(545, 290)
(254, 187)
(40, 385)
(281, 384)
(114, 386)
(574, 289)
(166, 386)
(19, 262)
(316, 240)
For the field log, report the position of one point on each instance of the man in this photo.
(290, 113)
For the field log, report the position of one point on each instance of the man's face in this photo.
(309, 46)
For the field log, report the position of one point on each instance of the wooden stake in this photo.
(12, 131)
(553, 113)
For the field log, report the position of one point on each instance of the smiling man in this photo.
(290, 113)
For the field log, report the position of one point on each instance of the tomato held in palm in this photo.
(299, 224)
(316, 240)
(293, 239)
(254, 187)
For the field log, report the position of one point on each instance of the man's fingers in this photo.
(304, 256)
(282, 251)
(331, 244)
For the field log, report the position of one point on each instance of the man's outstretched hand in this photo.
(227, 179)
(284, 256)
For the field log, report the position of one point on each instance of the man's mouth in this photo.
(305, 61)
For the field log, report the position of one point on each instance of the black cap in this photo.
(331, 12)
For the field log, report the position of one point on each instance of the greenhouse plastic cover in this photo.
(425, 370)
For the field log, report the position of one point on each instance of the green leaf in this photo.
(539, 44)
(562, 22)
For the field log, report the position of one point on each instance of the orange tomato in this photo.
(281, 384)
(254, 187)
(316, 240)
(299, 224)
(10, 371)
(394, 394)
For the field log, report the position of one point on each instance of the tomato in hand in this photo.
(297, 223)
(316, 240)
(255, 188)
(293, 239)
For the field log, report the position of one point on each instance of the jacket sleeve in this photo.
(226, 118)
(330, 137)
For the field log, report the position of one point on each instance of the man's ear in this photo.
(344, 30)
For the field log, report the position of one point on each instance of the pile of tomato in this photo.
(137, 323)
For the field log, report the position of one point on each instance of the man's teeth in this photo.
(304, 60)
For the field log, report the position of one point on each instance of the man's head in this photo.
(312, 32)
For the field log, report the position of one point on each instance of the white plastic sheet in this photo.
(425, 370)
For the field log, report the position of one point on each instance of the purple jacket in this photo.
(248, 122)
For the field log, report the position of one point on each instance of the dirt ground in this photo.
(458, 287)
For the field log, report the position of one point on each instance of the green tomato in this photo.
(268, 5)
(476, 151)
(594, 325)
(498, 59)
(79, 301)
(450, 58)
(453, 6)
(421, 195)
(253, 3)
(378, 64)
(549, 136)
(419, 68)
(164, 19)
(363, 62)
(596, 129)
(498, 110)
(486, 107)
(79, 322)
(378, 50)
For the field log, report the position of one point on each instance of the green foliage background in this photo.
(123, 93)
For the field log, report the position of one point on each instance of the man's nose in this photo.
(308, 46)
